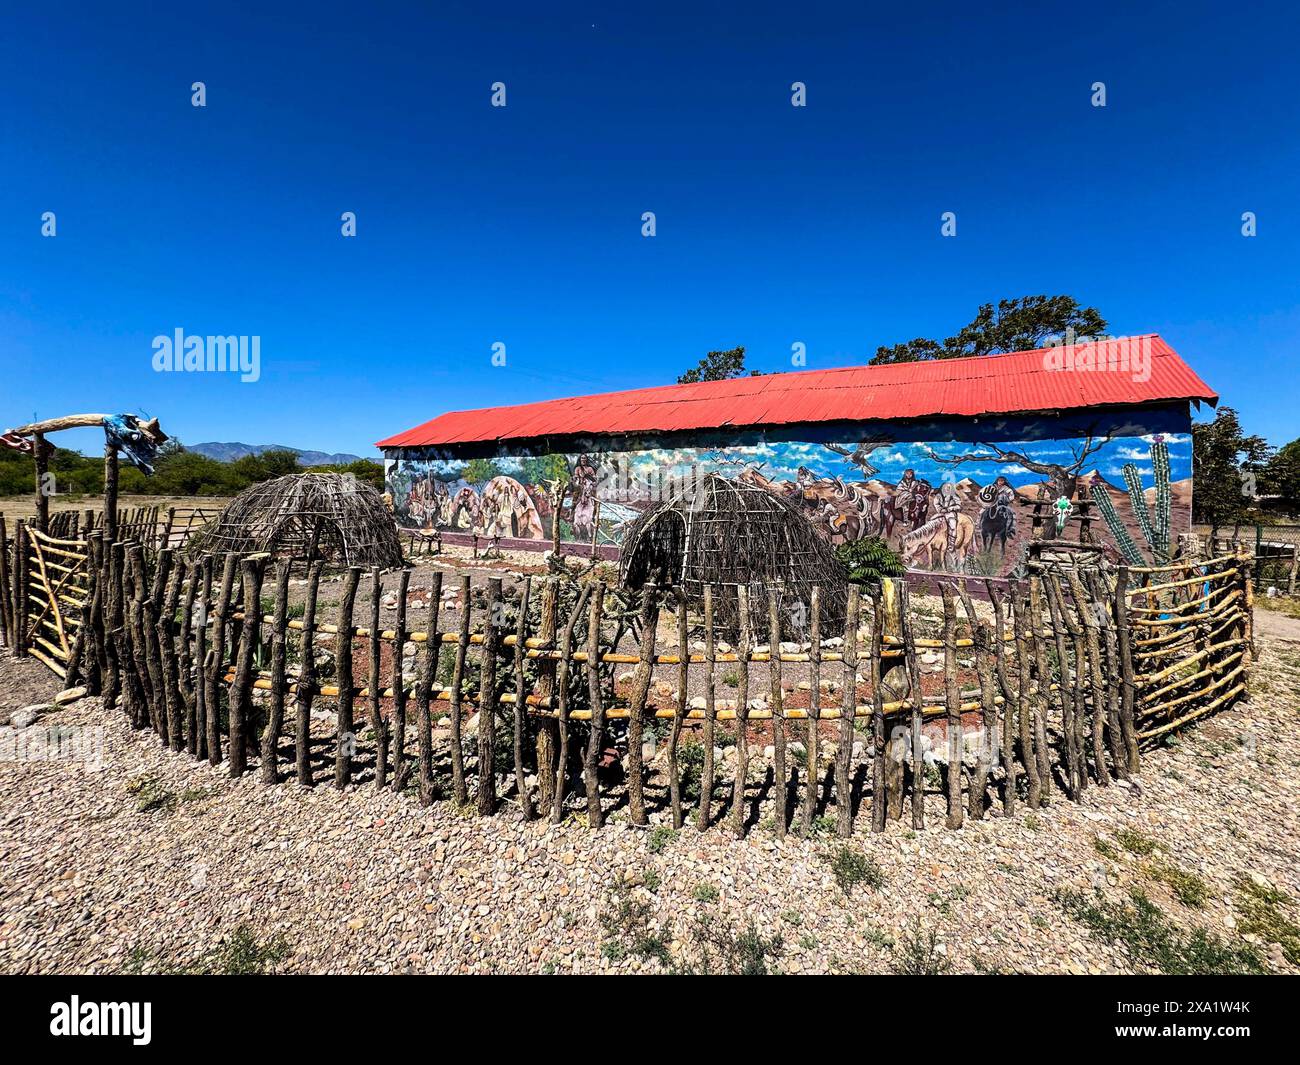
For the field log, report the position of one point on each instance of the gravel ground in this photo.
(369, 882)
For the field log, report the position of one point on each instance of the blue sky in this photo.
(522, 225)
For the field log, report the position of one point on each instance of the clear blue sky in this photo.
(523, 224)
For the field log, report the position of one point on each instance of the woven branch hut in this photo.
(727, 533)
(329, 516)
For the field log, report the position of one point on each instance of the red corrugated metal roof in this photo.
(1018, 382)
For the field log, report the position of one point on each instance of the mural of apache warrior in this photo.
(948, 495)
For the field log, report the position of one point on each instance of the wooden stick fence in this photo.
(1053, 690)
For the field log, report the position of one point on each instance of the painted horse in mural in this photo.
(936, 538)
(507, 509)
(997, 521)
(844, 509)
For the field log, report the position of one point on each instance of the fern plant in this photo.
(869, 559)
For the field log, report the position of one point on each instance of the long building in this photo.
(940, 458)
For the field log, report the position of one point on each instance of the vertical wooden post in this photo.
(6, 597)
(487, 725)
(268, 771)
(1127, 679)
(1024, 695)
(548, 724)
(20, 590)
(167, 643)
(710, 712)
(428, 676)
(346, 741)
(202, 571)
(521, 702)
(780, 780)
(917, 699)
(41, 456)
(459, 788)
(1042, 686)
(812, 736)
(110, 492)
(595, 815)
(880, 741)
(306, 680)
(374, 680)
(1009, 774)
(216, 658)
(1088, 623)
(245, 670)
(741, 774)
(952, 701)
(562, 707)
(184, 657)
(843, 783)
(400, 767)
(640, 693)
(679, 710)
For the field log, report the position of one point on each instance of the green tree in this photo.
(718, 366)
(1014, 325)
(1282, 476)
(1225, 465)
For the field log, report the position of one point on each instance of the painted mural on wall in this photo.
(943, 500)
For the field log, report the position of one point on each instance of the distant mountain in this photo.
(231, 452)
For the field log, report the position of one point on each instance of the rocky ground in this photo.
(143, 860)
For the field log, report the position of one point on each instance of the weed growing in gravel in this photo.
(628, 930)
(943, 900)
(792, 918)
(732, 680)
(1152, 940)
(705, 892)
(919, 953)
(1261, 908)
(808, 941)
(659, 837)
(242, 954)
(151, 795)
(1104, 848)
(1187, 887)
(721, 951)
(1134, 842)
(851, 867)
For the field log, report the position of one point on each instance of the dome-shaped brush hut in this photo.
(726, 533)
(330, 516)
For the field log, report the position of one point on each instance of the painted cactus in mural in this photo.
(944, 501)
(1156, 533)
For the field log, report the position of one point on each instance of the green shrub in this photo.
(869, 559)
(851, 867)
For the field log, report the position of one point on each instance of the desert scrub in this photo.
(1188, 888)
(851, 867)
(1135, 843)
(626, 920)
(919, 953)
(1261, 907)
(1152, 941)
(705, 892)
(659, 837)
(719, 950)
(242, 954)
